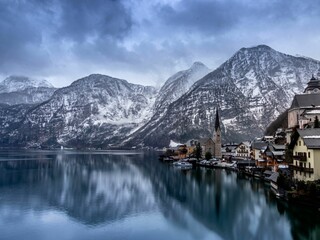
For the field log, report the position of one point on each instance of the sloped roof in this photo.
(268, 172)
(258, 145)
(312, 143)
(246, 143)
(274, 177)
(311, 137)
(279, 147)
(203, 141)
(305, 100)
(278, 153)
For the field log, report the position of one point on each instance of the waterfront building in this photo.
(256, 148)
(306, 154)
(212, 145)
(243, 150)
(303, 135)
(229, 150)
(305, 107)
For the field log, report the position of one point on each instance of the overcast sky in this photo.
(146, 41)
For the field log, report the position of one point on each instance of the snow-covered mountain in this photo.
(20, 89)
(93, 111)
(250, 89)
(179, 84)
(20, 83)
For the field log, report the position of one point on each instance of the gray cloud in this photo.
(81, 19)
(145, 41)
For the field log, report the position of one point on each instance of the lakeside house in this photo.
(272, 155)
(305, 108)
(229, 150)
(243, 150)
(303, 133)
(256, 148)
(306, 154)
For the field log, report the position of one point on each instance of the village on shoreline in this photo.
(289, 161)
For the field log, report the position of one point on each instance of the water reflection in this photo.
(103, 189)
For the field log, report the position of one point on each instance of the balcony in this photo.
(242, 151)
(301, 169)
(300, 158)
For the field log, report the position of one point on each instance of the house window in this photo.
(309, 155)
(299, 143)
(309, 165)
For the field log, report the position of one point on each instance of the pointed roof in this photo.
(310, 100)
(217, 122)
(311, 137)
(313, 85)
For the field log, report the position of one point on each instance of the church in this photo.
(213, 145)
(305, 107)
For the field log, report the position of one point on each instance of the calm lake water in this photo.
(131, 195)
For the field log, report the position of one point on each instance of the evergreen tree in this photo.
(316, 122)
(198, 151)
(208, 155)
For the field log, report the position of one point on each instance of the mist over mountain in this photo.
(24, 90)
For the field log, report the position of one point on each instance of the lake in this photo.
(132, 195)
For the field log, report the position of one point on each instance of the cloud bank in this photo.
(145, 41)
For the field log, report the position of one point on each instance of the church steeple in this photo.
(313, 85)
(217, 122)
(217, 137)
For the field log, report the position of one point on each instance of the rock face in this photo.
(250, 89)
(179, 84)
(94, 111)
(23, 90)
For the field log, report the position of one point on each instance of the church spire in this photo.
(313, 85)
(217, 122)
(217, 137)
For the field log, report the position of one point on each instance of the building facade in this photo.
(243, 150)
(306, 155)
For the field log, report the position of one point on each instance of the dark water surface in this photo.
(131, 195)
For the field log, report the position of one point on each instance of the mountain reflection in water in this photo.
(129, 195)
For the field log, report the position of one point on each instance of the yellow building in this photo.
(306, 154)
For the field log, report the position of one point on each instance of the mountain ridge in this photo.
(250, 90)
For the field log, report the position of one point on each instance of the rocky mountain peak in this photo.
(19, 83)
(198, 65)
(24, 90)
(252, 88)
(179, 84)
